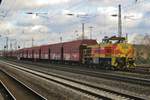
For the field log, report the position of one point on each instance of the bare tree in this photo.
(146, 39)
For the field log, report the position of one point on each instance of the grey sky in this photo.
(48, 28)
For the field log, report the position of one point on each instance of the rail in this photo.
(93, 91)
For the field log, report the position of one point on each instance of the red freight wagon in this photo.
(20, 53)
(9, 53)
(56, 51)
(13, 53)
(73, 50)
(45, 52)
(36, 52)
(25, 53)
(30, 53)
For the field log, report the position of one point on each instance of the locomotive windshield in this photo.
(114, 40)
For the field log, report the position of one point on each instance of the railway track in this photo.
(82, 87)
(110, 76)
(140, 72)
(18, 90)
(5, 93)
(140, 69)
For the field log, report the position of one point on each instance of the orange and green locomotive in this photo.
(113, 52)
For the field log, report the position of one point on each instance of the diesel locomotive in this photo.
(113, 52)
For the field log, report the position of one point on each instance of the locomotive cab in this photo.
(114, 40)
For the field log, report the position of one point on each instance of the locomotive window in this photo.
(116, 41)
(113, 41)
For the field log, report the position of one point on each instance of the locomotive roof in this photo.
(81, 41)
(115, 38)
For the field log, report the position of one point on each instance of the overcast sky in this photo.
(47, 28)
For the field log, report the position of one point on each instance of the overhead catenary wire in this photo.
(6, 9)
(133, 5)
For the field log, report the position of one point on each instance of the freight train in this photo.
(111, 53)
